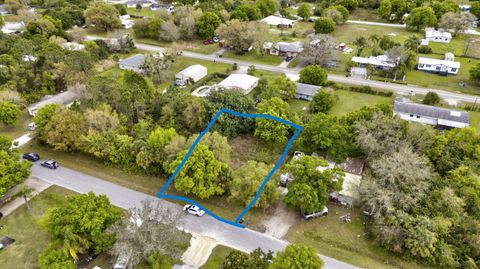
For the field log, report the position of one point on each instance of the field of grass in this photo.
(352, 101)
(145, 11)
(365, 14)
(192, 45)
(450, 82)
(22, 226)
(345, 241)
(216, 257)
(17, 129)
(348, 32)
(255, 57)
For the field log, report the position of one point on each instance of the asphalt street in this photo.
(225, 234)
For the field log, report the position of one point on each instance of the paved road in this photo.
(228, 235)
(398, 88)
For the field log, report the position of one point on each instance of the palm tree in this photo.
(26, 192)
(412, 43)
(360, 42)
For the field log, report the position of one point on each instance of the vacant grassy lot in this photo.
(365, 14)
(192, 45)
(22, 226)
(352, 101)
(19, 128)
(216, 257)
(255, 57)
(345, 241)
(349, 32)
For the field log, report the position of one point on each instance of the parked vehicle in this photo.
(194, 210)
(31, 156)
(31, 126)
(216, 39)
(205, 42)
(315, 214)
(289, 58)
(50, 164)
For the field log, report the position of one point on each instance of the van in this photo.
(315, 214)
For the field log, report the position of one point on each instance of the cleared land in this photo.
(22, 226)
(345, 241)
(216, 258)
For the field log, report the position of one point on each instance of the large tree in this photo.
(43, 117)
(207, 24)
(82, 223)
(272, 131)
(14, 171)
(304, 11)
(149, 228)
(311, 186)
(202, 174)
(457, 22)
(257, 259)
(313, 74)
(297, 256)
(63, 129)
(322, 102)
(104, 16)
(324, 25)
(320, 50)
(9, 113)
(421, 17)
(241, 35)
(246, 181)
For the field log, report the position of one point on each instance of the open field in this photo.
(17, 129)
(352, 101)
(255, 57)
(345, 241)
(364, 14)
(216, 257)
(348, 32)
(22, 226)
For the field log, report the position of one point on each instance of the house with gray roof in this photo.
(283, 48)
(132, 63)
(443, 118)
(306, 91)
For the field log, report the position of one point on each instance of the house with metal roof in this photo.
(443, 118)
(437, 35)
(243, 82)
(132, 63)
(380, 61)
(306, 91)
(446, 66)
(192, 74)
(278, 21)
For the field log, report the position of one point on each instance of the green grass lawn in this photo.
(19, 128)
(475, 120)
(22, 226)
(345, 241)
(298, 105)
(192, 45)
(255, 57)
(145, 11)
(216, 257)
(352, 101)
(365, 14)
(348, 32)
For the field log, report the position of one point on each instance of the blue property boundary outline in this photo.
(161, 193)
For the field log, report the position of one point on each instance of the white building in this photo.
(278, 21)
(127, 23)
(443, 118)
(191, 74)
(446, 66)
(132, 63)
(13, 27)
(73, 46)
(283, 48)
(437, 35)
(380, 61)
(245, 83)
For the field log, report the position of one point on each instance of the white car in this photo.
(194, 210)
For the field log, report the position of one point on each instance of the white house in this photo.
(126, 22)
(278, 21)
(380, 61)
(13, 27)
(446, 66)
(244, 82)
(283, 48)
(437, 35)
(443, 118)
(132, 63)
(191, 74)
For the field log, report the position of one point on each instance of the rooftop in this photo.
(242, 81)
(430, 61)
(290, 46)
(380, 60)
(275, 20)
(408, 107)
(307, 89)
(135, 61)
(431, 32)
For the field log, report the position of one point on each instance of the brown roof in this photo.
(353, 166)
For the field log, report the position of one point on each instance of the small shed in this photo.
(306, 91)
(191, 74)
(244, 82)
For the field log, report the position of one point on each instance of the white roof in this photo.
(11, 27)
(430, 61)
(430, 32)
(195, 71)
(73, 46)
(242, 81)
(275, 20)
(380, 60)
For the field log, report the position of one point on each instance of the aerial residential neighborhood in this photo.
(242, 134)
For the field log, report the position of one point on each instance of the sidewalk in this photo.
(36, 184)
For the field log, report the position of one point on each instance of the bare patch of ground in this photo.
(200, 249)
(247, 147)
(278, 224)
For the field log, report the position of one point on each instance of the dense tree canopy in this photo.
(297, 256)
(324, 25)
(313, 74)
(104, 16)
(421, 17)
(207, 24)
(13, 170)
(9, 113)
(272, 131)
